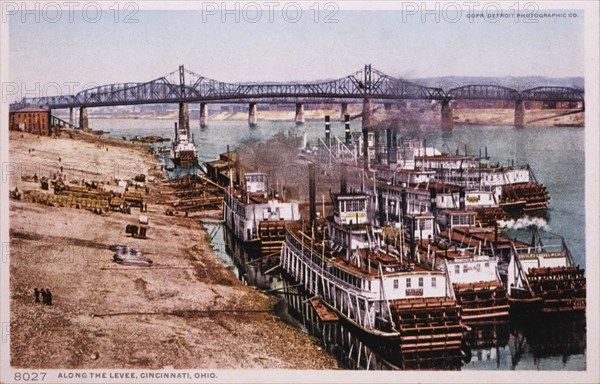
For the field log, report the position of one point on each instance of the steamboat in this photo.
(474, 273)
(544, 279)
(184, 153)
(408, 163)
(344, 262)
(256, 214)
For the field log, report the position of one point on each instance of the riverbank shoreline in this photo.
(476, 117)
(186, 311)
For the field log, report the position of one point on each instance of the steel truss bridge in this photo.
(183, 86)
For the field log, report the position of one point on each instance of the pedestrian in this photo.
(36, 292)
(48, 296)
(44, 297)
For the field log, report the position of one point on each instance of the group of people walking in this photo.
(46, 295)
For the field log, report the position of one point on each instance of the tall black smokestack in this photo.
(389, 145)
(461, 198)
(404, 205)
(365, 133)
(312, 194)
(347, 127)
(327, 132)
(380, 208)
(412, 238)
(343, 179)
(176, 133)
(432, 196)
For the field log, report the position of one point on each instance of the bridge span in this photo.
(366, 86)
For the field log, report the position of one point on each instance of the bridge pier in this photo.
(203, 115)
(344, 111)
(447, 119)
(184, 118)
(519, 113)
(83, 119)
(71, 117)
(367, 114)
(299, 113)
(252, 114)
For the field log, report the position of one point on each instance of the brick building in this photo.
(31, 118)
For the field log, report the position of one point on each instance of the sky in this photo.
(137, 45)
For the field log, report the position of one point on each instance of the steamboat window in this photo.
(408, 283)
(465, 269)
(433, 282)
(457, 269)
(478, 267)
(420, 282)
(487, 265)
(395, 283)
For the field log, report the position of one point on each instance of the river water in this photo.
(556, 155)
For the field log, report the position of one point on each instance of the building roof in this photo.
(33, 108)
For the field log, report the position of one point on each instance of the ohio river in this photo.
(556, 155)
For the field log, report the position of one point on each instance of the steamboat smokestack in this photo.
(412, 239)
(347, 128)
(432, 196)
(404, 205)
(365, 133)
(343, 179)
(312, 194)
(389, 145)
(327, 132)
(176, 133)
(461, 198)
(380, 208)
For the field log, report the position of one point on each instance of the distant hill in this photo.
(519, 83)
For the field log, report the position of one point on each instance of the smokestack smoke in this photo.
(524, 222)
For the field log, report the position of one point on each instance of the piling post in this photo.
(71, 117)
